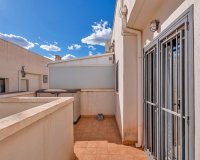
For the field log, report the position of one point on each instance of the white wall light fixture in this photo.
(154, 25)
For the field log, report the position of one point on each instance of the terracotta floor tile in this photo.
(86, 157)
(115, 157)
(80, 144)
(101, 151)
(102, 157)
(100, 140)
(91, 151)
(80, 151)
(111, 145)
(100, 144)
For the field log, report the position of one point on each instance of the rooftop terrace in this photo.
(93, 140)
(100, 140)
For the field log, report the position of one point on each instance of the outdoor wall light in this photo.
(154, 25)
(23, 71)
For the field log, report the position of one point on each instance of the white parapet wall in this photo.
(94, 101)
(18, 94)
(82, 77)
(94, 76)
(43, 130)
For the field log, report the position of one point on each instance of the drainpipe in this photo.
(131, 31)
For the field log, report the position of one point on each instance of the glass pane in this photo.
(183, 73)
(169, 76)
(163, 59)
(174, 75)
(171, 136)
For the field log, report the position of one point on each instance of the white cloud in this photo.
(101, 34)
(92, 47)
(21, 41)
(68, 56)
(65, 57)
(36, 44)
(50, 47)
(74, 47)
(90, 53)
(51, 57)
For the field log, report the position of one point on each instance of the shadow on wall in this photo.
(118, 116)
(165, 10)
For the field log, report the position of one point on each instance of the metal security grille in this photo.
(172, 92)
(168, 98)
(150, 106)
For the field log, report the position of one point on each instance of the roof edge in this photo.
(29, 51)
(114, 17)
(82, 58)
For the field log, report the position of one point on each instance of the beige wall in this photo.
(94, 102)
(13, 58)
(126, 98)
(8, 109)
(140, 14)
(167, 13)
(48, 138)
(119, 57)
(130, 88)
(20, 94)
(35, 82)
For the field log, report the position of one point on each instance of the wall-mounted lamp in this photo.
(154, 25)
(123, 15)
(23, 71)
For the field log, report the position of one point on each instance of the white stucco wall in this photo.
(8, 109)
(13, 58)
(120, 59)
(35, 82)
(130, 88)
(130, 4)
(81, 77)
(94, 102)
(126, 98)
(42, 133)
(101, 59)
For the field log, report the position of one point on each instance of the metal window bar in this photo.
(166, 137)
(150, 101)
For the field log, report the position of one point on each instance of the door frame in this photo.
(4, 84)
(186, 18)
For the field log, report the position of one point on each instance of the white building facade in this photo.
(92, 72)
(94, 76)
(21, 70)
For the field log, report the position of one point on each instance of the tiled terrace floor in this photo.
(100, 140)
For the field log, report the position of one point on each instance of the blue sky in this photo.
(70, 28)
